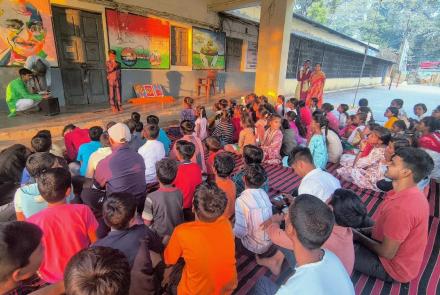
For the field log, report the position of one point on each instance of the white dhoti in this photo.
(24, 104)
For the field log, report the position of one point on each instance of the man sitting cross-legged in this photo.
(399, 236)
(309, 223)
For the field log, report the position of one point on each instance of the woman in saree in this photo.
(317, 82)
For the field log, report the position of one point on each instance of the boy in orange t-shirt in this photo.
(224, 165)
(206, 245)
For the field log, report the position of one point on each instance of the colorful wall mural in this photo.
(140, 42)
(208, 49)
(25, 30)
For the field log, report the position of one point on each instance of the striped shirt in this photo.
(252, 208)
(224, 131)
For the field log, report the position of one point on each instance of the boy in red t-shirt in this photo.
(66, 228)
(189, 176)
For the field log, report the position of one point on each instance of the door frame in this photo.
(99, 11)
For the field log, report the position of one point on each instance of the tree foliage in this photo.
(382, 22)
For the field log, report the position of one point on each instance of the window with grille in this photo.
(179, 46)
(336, 62)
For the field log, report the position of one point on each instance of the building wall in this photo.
(178, 80)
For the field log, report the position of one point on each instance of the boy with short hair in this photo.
(107, 264)
(136, 141)
(309, 223)
(67, 228)
(152, 152)
(20, 257)
(40, 144)
(206, 245)
(252, 208)
(251, 155)
(163, 208)
(189, 175)
(86, 149)
(119, 212)
(163, 137)
(224, 164)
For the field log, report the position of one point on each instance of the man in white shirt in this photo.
(152, 151)
(309, 223)
(315, 181)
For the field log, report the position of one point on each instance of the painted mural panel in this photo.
(208, 49)
(25, 30)
(140, 42)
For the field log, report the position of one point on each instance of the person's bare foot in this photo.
(273, 263)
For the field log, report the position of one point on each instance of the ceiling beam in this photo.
(225, 5)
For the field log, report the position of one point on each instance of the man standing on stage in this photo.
(18, 98)
(302, 77)
(114, 81)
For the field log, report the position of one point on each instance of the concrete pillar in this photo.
(273, 46)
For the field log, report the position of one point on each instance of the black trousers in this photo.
(369, 263)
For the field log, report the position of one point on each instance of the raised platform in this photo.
(23, 127)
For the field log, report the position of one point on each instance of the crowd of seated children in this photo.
(196, 221)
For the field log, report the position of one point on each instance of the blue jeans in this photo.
(264, 286)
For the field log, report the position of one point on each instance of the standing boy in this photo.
(67, 228)
(114, 81)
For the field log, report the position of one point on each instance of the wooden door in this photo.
(80, 46)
